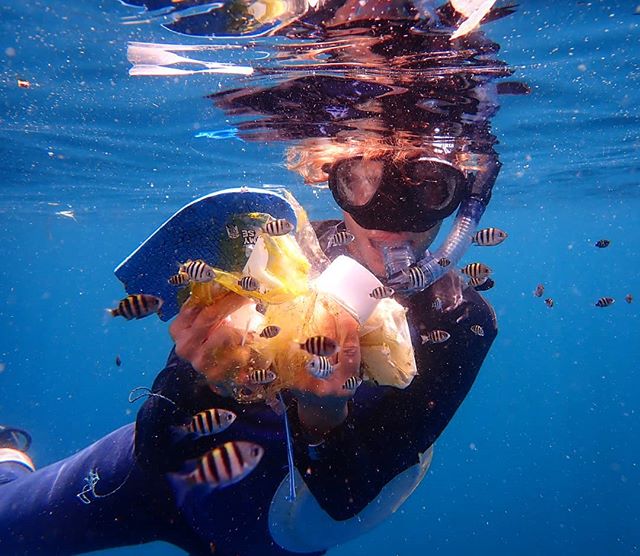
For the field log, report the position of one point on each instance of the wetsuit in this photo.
(121, 490)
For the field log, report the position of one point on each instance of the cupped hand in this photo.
(322, 403)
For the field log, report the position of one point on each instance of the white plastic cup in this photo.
(350, 284)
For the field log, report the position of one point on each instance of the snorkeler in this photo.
(358, 453)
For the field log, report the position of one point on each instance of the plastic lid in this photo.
(350, 283)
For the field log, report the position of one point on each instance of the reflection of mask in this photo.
(410, 196)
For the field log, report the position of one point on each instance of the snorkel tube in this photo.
(399, 260)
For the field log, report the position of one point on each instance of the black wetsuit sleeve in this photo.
(387, 428)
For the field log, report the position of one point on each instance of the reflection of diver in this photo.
(396, 173)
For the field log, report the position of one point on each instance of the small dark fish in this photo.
(118, 361)
(549, 302)
(341, 238)
(320, 345)
(476, 270)
(488, 237)
(605, 302)
(382, 292)
(261, 307)
(198, 271)
(227, 464)
(137, 306)
(179, 279)
(262, 376)
(539, 291)
(444, 262)
(486, 284)
(278, 227)
(435, 337)
(477, 330)
(249, 283)
(211, 421)
(320, 367)
(270, 331)
(417, 278)
(628, 298)
(602, 243)
(352, 383)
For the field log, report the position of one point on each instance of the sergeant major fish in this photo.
(137, 306)
(211, 421)
(352, 383)
(270, 331)
(605, 302)
(278, 227)
(262, 376)
(320, 367)
(488, 237)
(476, 270)
(435, 337)
(198, 271)
(340, 238)
(226, 464)
(249, 283)
(382, 292)
(179, 279)
(320, 345)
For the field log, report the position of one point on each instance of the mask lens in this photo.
(438, 182)
(357, 180)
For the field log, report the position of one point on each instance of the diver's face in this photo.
(367, 245)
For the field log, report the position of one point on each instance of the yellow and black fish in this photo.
(444, 262)
(198, 271)
(605, 302)
(382, 292)
(475, 282)
(477, 330)
(179, 279)
(486, 284)
(352, 383)
(211, 421)
(417, 278)
(320, 345)
(435, 337)
(278, 227)
(476, 270)
(488, 237)
(602, 243)
(320, 367)
(262, 376)
(137, 306)
(249, 283)
(270, 331)
(227, 464)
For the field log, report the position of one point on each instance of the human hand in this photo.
(322, 403)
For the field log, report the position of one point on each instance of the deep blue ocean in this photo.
(542, 457)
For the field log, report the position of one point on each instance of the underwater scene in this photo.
(395, 245)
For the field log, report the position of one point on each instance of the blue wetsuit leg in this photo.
(57, 510)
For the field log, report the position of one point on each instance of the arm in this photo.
(387, 428)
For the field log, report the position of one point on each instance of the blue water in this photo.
(542, 457)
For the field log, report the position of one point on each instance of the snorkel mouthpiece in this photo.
(453, 248)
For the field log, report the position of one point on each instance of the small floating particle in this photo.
(539, 291)
(549, 302)
(118, 361)
(24, 84)
(628, 298)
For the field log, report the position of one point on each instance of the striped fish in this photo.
(211, 421)
(249, 283)
(227, 464)
(352, 383)
(270, 331)
(320, 367)
(437, 304)
(435, 337)
(179, 279)
(261, 307)
(549, 302)
(341, 238)
(476, 270)
(137, 306)
(444, 262)
(475, 282)
(262, 376)
(488, 237)
(605, 302)
(602, 243)
(487, 284)
(417, 278)
(477, 330)
(382, 292)
(320, 345)
(278, 227)
(198, 271)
